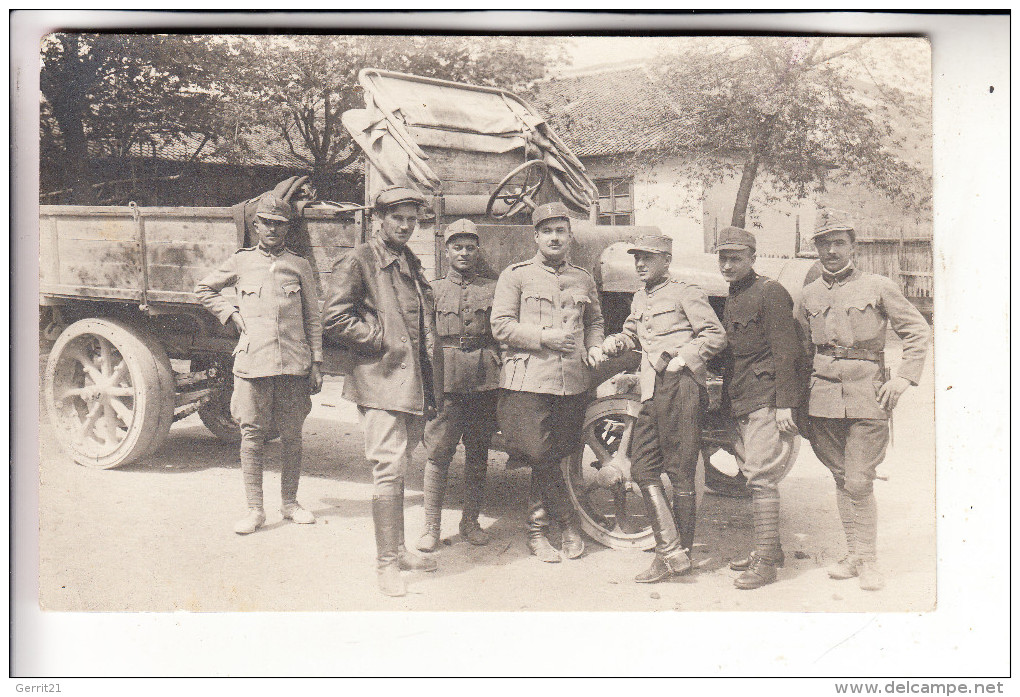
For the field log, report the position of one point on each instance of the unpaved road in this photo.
(157, 536)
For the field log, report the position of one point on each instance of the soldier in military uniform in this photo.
(764, 382)
(471, 377)
(278, 356)
(677, 332)
(380, 308)
(846, 313)
(547, 316)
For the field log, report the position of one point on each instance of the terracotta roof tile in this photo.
(608, 112)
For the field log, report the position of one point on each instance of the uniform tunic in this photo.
(463, 308)
(853, 310)
(535, 295)
(765, 361)
(278, 302)
(470, 369)
(672, 319)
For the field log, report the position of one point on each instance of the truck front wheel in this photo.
(108, 389)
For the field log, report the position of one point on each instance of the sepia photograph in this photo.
(462, 322)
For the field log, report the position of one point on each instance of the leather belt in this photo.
(466, 343)
(859, 354)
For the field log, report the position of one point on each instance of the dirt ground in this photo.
(157, 535)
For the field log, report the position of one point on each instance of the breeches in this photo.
(766, 449)
(390, 439)
(851, 449)
(468, 417)
(542, 429)
(667, 433)
(259, 404)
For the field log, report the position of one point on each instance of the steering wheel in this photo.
(518, 195)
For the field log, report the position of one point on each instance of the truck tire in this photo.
(107, 388)
(215, 414)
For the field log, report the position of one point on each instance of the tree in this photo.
(122, 92)
(794, 109)
(298, 86)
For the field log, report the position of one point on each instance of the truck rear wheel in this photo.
(109, 391)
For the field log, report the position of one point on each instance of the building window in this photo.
(616, 201)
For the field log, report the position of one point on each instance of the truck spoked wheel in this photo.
(106, 387)
(608, 504)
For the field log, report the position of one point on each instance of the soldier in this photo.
(471, 385)
(546, 315)
(381, 309)
(846, 313)
(678, 332)
(763, 379)
(278, 356)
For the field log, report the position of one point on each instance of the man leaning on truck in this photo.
(278, 356)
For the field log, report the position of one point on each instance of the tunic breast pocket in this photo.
(663, 321)
(537, 307)
(746, 333)
(865, 320)
(816, 323)
(575, 304)
(447, 321)
(249, 300)
(290, 297)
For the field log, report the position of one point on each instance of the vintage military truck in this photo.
(134, 351)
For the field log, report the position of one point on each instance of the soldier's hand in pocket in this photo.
(676, 364)
(558, 340)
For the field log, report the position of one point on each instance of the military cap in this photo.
(548, 211)
(832, 220)
(655, 244)
(392, 195)
(273, 207)
(460, 227)
(733, 237)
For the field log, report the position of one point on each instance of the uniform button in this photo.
(403, 339)
(467, 322)
(403, 365)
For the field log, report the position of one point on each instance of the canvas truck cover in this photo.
(405, 113)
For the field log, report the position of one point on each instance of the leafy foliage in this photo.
(798, 109)
(123, 94)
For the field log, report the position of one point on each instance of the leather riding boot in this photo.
(670, 557)
(435, 490)
(385, 517)
(685, 510)
(538, 540)
(571, 542)
(407, 560)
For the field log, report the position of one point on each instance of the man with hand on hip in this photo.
(677, 332)
(846, 313)
(278, 356)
